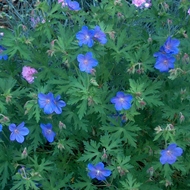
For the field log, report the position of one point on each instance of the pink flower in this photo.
(138, 3)
(188, 11)
(27, 74)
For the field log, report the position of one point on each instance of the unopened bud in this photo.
(170, 127)
(131, 70)
(104, 156)
(112, 35)
(93, 72)
(142, 103)
(50, 52)
(166, 6)
(182, 117)
(24, 153)
(24, 27)
(8, 98)
(158, 129)
(61, 125)
(150, 171)
(168, 183)
(90, 101)
(186, 58)
(60, 146)
(149, 40)
(94, 82)
(121, 171)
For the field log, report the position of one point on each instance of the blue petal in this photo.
(126, 105)
(120, 94)
(12, 127)
(100, 177)
(114, 100)
(118, 106)
(106, 172)
(80, 58)
(20, 126)
(24, 131)
(92, 174)
(99, 166)
(178, 151)
(12, 136)
(91, 167)
(19, 138)
(163, 159)
(50, 137)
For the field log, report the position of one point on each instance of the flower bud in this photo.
(104, 156)
(8, 98)
(182, 117)
(150, 171)
(24, 153)
(158, 129)
(60, 146)
(61, 125)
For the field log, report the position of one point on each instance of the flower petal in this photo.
(91, 167)
(19, 138)
(24, 131)
(12, 137)
(99, 166)
(12, 127)
(106, 172)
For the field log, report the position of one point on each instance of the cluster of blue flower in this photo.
(164, 58)
(87, 37)
(50, 105)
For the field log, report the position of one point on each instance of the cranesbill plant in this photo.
(95, 95)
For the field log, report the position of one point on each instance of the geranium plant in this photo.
(95, 95)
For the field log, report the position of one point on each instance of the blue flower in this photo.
(86, 62)
(5, 57)
(47, 102)
(85, 36)
(98, 171)
(171, 46)
(122, 101)
(1, 127)
(59, 104)
(73, 5)
(99, 35)
(164, 62)
(47, 132)
(18, 132)
(170, 154)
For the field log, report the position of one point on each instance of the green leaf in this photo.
(91, 152)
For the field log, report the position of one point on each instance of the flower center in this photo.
(121, 100)
(165, 62)
(167, 46)
(47, 101)
(49, 131)
(169, 153)
(87, 37)
(16, 131)
(97, 172)
(85, 61)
